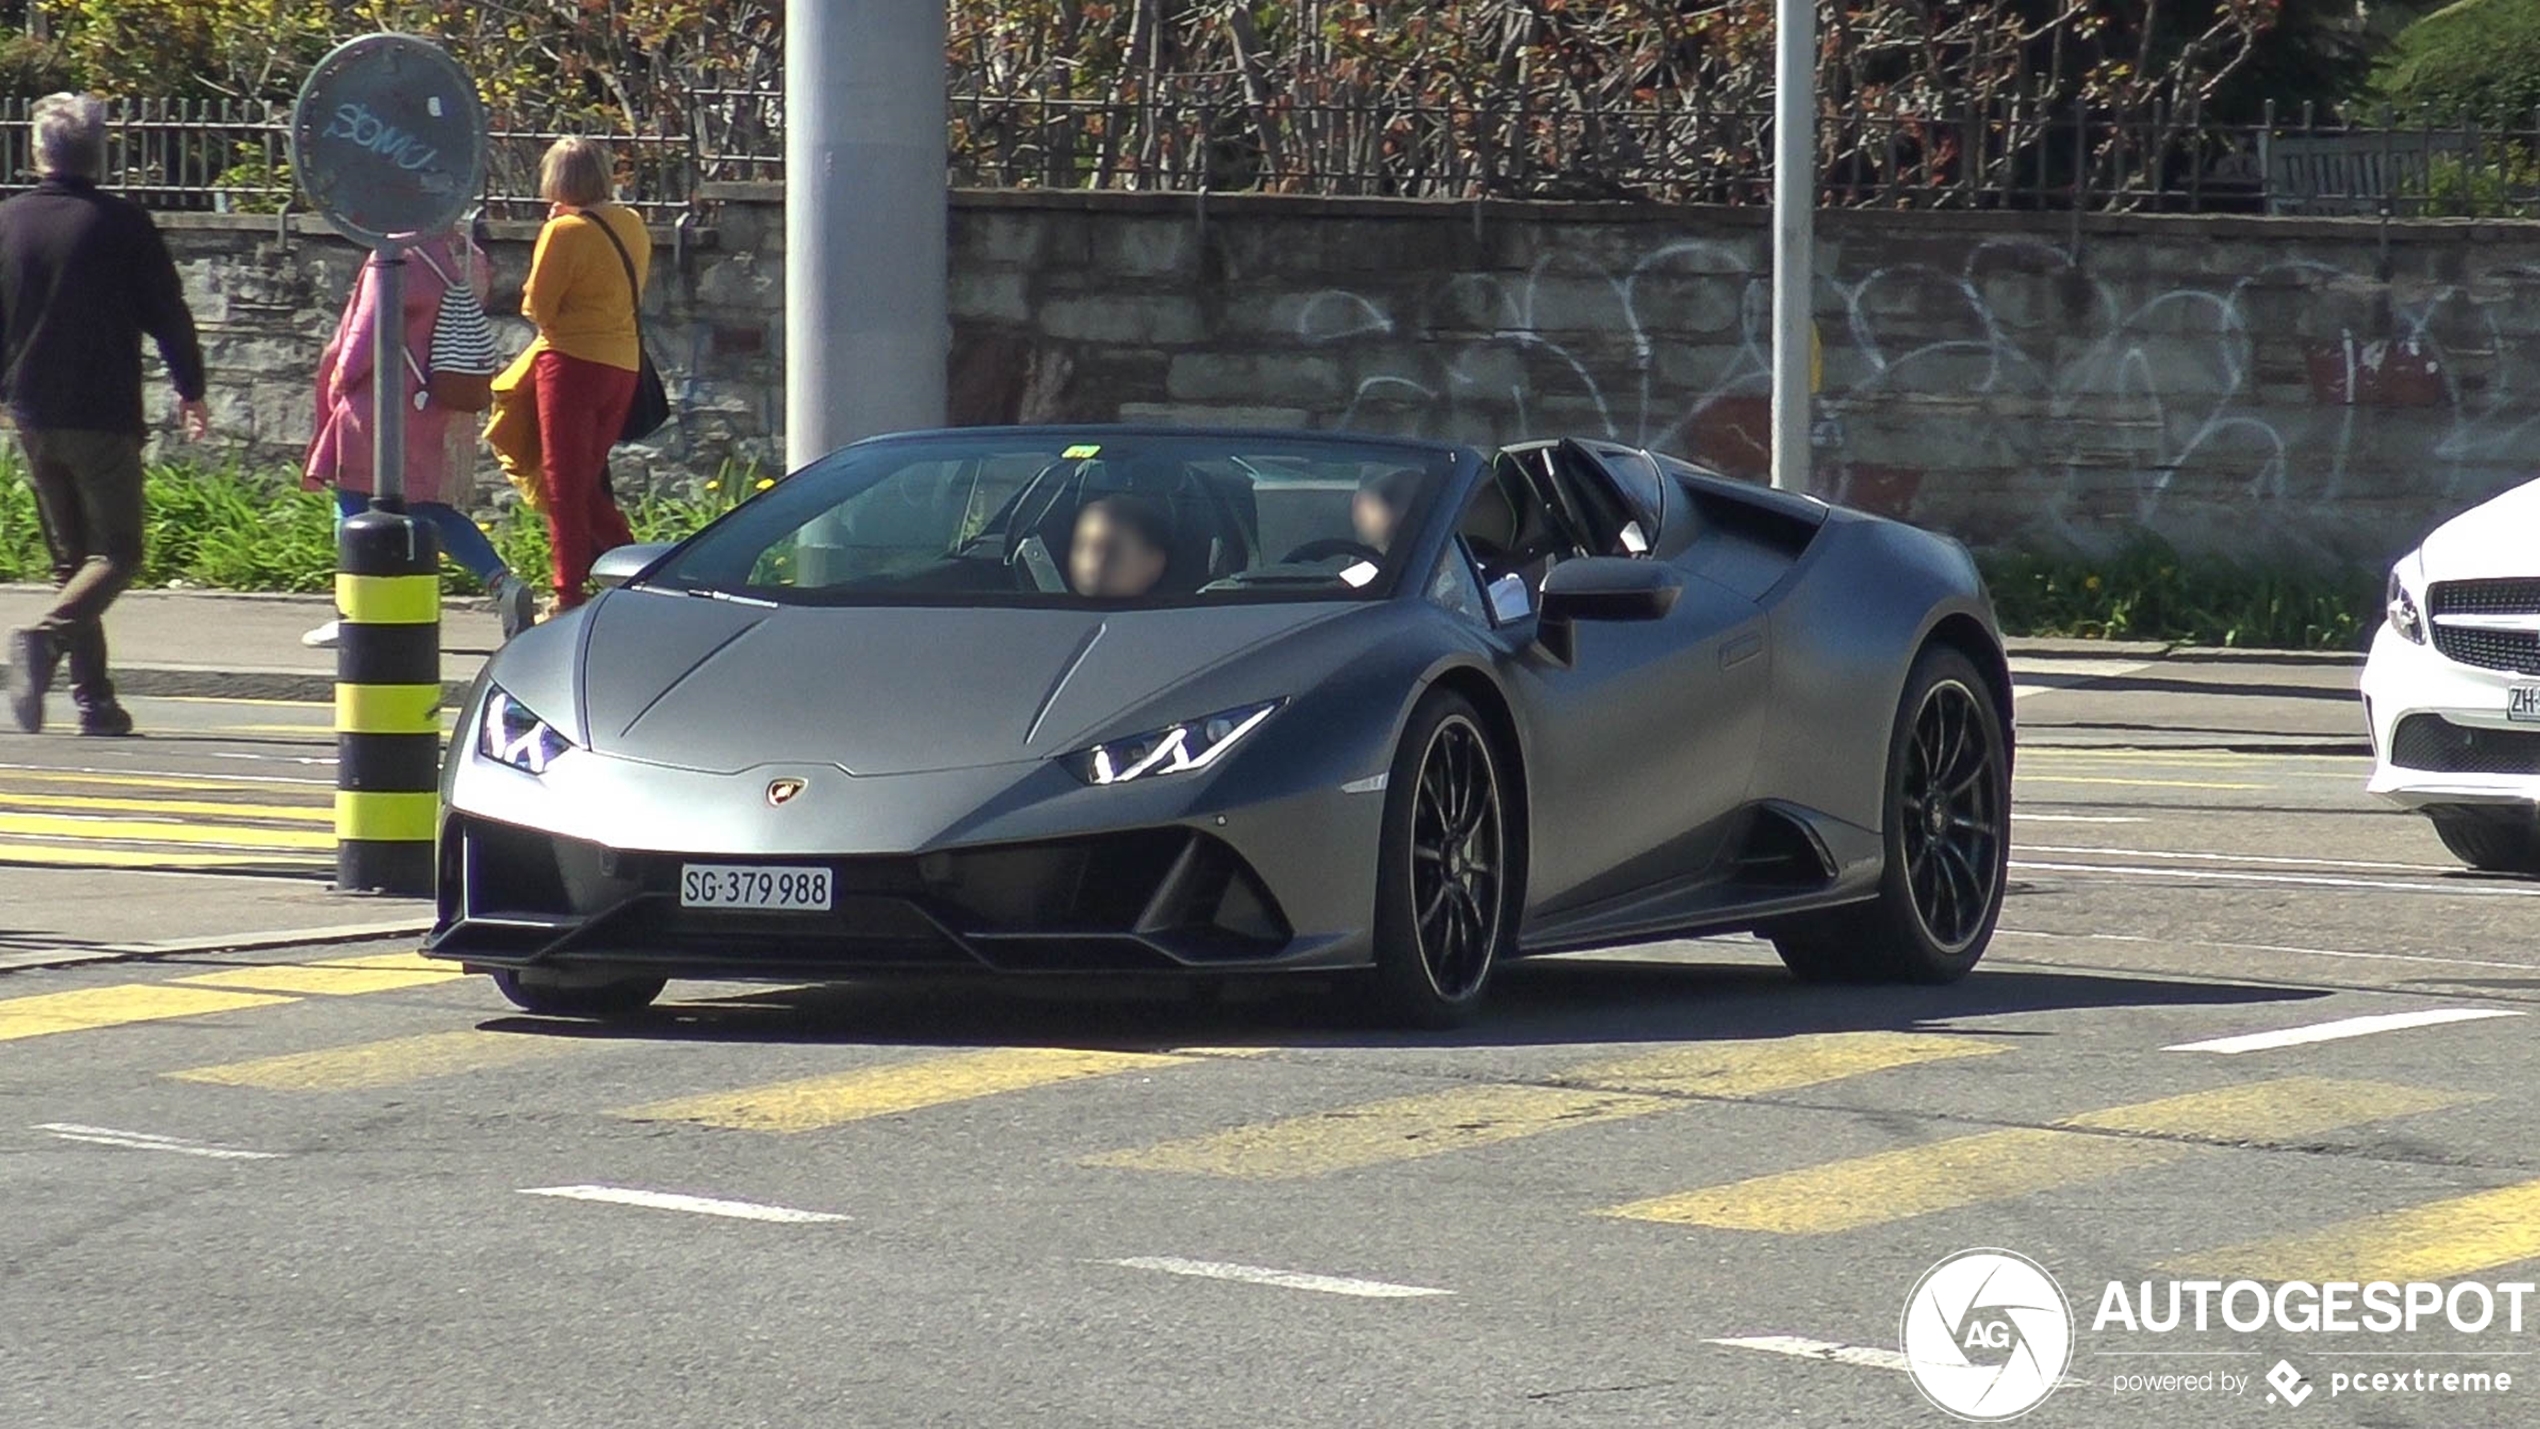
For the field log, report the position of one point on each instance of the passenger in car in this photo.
(1120, 547)
(1375, 511)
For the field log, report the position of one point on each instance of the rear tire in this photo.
(1447, 898)
(622, 998)
(1948, 839)
(2491, 840)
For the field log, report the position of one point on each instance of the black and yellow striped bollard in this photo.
(387, 703)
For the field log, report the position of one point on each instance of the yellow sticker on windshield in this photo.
(1082, 451)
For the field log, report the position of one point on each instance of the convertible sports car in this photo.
(1130, 700)
(2452, 688)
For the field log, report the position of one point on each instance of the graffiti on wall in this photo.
(2016, 395)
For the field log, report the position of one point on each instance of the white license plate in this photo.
(2522, 702)
(774, 887)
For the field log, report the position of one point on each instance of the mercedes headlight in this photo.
(2401, 607)
(1174, 749)
(512, 734)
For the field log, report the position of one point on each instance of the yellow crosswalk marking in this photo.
(2279, 1112)
(194, 808)
(1997, 1165)
(1750, 1067)
(393, 1062)
(2025, 777)
(835, 1099)
(1400, 1129)
(1434, 1124)
(335, 977)
(11, 774)
(77, 1011)
(154, 831)
(1872, 1190)
(2443, 1240)
(103, 856)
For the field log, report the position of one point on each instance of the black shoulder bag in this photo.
(650, 411)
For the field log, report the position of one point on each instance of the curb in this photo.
(2357, 748)
(329, 936)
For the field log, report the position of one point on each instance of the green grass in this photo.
(2147, 591)
(225, 528)
(228, 528)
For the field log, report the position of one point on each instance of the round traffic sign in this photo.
(388, 139)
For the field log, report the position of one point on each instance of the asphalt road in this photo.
(335, 1186)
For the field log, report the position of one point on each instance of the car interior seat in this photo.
(1207, 538)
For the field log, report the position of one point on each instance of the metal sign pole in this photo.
(1794, 237)
(388, 140)
(388, 377)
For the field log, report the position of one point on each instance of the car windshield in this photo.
(1054, 518)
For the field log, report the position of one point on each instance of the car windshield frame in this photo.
(754, 530)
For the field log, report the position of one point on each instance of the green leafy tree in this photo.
(2478, 57)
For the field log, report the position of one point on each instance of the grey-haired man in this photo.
(83, 275)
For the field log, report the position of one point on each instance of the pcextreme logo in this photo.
(1987, 1335)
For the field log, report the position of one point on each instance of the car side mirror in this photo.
(617, 567)
(1602, 588)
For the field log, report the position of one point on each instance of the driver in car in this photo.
(1375, 510)
(1119, 548)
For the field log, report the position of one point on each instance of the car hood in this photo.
(726, 686)
(2489, 540)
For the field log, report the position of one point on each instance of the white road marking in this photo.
(694, 1205)
(2342, 1028)
(1835, 1352)
(1807, 1349)
(1287, 1279)
(2269, 859)
(2044, 676)
(2466, 889)
(2024, 816)
(146, 1141)
(2429, 958)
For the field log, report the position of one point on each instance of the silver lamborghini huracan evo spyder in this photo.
(1114, 700)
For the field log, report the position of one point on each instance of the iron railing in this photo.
(233, 157)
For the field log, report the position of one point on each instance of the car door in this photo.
(1643, 742)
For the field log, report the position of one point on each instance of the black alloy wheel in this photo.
(1457, 858)
(1446, 906)
(1947, 835)
(1952, 816)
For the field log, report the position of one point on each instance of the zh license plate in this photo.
(764, 887)
(2522, 702)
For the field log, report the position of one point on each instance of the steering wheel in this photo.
(1328, 547)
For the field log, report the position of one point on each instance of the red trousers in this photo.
(581, 410)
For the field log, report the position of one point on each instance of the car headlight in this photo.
(1174, 749)
(2401, 607)
(511, 734)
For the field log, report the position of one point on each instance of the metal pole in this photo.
(388, 645)
(866, 331)
(388, 378)
(1794, 235)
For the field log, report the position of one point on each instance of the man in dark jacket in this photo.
(83, 274)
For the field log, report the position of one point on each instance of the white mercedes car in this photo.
(2452, 690)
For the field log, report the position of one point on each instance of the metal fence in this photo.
(234, 157)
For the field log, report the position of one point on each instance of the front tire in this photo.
(2489, 840)
(547, 997)
(1447, 895)
(1948, 840)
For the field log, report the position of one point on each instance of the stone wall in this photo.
(2311, 387)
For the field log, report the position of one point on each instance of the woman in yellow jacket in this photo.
(585, 282)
